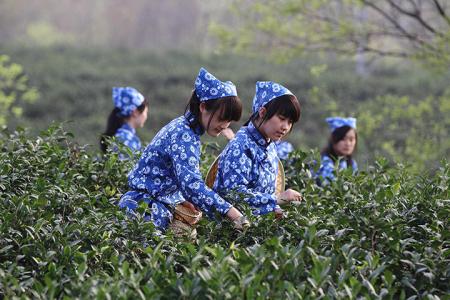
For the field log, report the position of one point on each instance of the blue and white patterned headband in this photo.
(336, 122)
(126, 99)
(208, 87)
(266, 91)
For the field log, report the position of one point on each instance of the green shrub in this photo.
(381, 234)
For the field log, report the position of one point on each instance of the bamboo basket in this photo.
(187, 215)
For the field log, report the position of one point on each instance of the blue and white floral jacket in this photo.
(127, 136)
(169, 172)
(327, 169)
(247, 171)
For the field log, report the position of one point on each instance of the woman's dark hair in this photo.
(229, 109)
(286, 106)
(115, 121)
(336, 136)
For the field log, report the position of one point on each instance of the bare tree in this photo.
(398, 28)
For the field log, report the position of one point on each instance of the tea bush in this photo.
(381, 234)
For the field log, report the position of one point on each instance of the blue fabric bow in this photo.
(336, 122)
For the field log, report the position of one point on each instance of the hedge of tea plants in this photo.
(383, 234)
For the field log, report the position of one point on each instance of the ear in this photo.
(135, 113)
(262, 112)
(202, 107)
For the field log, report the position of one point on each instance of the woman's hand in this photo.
(240, 222)
(289, 195)
(278, 213)
(189, 205)
(228, 133)
(233, 214)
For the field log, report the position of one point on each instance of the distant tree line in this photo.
(154, 24)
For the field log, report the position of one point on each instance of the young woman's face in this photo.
(142, 117)
(137, 119)
(216, 125)
(346, 146)
(276, 127)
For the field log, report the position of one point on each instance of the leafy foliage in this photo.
(13, 89)
(423, 139)
(381, 234)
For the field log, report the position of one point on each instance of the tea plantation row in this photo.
(383, 234)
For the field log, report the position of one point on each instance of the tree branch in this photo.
(385, 53)
(441, 11)
(416, 16)
(324, 45)
(323, 18)
(395, 23)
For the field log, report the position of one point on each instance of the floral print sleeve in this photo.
(186, 163)
(283, 149)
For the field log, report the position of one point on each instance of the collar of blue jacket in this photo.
(196, 126)
(257, 136)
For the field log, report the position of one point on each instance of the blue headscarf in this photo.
(126, 99)
(208, 87)
(336, 122)
(266, 91)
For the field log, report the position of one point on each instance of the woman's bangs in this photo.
(230, 109)
(289, 107)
